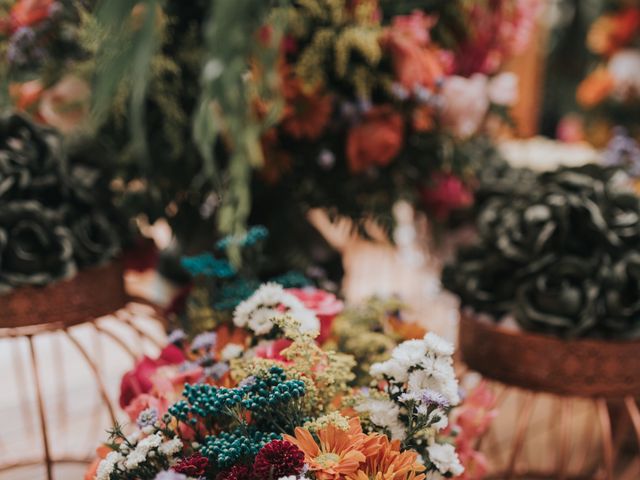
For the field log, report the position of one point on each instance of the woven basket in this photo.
(585, 368)
(92, 293)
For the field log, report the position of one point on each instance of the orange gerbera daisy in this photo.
(338, 454)
(388, 462)
(595, 88)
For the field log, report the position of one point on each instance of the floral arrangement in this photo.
(559, 255)
(400, 102)
(611, 91)
(56, 210)
(261, 400)
(382, 108)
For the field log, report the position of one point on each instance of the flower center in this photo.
(326, 460)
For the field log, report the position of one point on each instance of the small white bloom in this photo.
(106, 466)
(438, 345)
(438, 419)
(385, 414)
(231, 351)
(503, 89)
(261, 321)
(146, 444)
(171, 447)
(410, 352)
(391, 368)
(444, 457)
(134, 459)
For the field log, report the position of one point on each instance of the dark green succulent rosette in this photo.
(620, 296)
(561, 299)
(36, 247)
(56, 209)
(563, 257)
(31, 166)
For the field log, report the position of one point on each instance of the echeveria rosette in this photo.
(561, 299)
(623, 217)
(620, 302)
(35, 246)
(478, 277)
(95, 239)
(31, 166)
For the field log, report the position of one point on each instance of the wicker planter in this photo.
(92, 293)
(583, 368)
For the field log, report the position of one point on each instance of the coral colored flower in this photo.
(415, 62)
(376, 140)
(595, 88)
(26, 95)
(338, 453)
(25, 13)
(448, 193)
(192, 466)
(101, 454)
(324, 304)
(66, 104)
(144, 402)
(139, 380)
(477, 412)
(278, 458)
(388, 462)
(613, 31)
(307, 111)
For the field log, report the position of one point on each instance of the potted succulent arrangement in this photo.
(550, 288)
(57, 222)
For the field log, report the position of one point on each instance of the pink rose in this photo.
(446, 194)
(143, 402)
(477, 412)
(140, 379)
(324, 304)
(466, 104)
(415, 62)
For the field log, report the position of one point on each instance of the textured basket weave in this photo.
(585, 368)
(92, 293)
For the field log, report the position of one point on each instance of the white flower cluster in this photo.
(422, 385)
(131, 455)
(425, 364)
(269, 302)
(445, 458)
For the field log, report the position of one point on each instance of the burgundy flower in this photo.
(193, 466)
(237, 472)
(278, 458)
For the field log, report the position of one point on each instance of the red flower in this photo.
(448, 193)
(376, 140)
(272, 350)
(193, 466)
(324, 304)
(237, 472)
(138, 380)
(278, 458)
(25, 13)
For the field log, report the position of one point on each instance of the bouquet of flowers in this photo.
(611, 92)
(56, 210)
(559, 255)
(261, 400)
